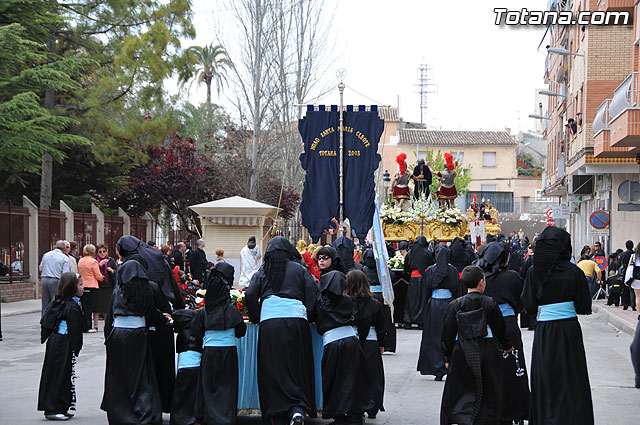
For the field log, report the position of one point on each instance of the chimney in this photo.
(508, 130)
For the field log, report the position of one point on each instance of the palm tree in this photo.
(207, 64)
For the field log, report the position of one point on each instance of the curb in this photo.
(17, 313)
(614, 320)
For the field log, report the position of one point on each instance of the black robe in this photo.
(198, 261)
(527, 320)
(285, 355)
(417, 261)
(472, 391)
(431, 360)
(558, 362)
(400, 281)
(635, 354)
(55, 394)
(131, 394)
(505, 287)
(420, 186)
(460, 257)
(371, 271)
(183, 402)
(346, 382)
(163, 350)
(217, 391)
(369, 313)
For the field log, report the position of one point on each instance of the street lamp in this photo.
(386, 179)
(552, 93)
(562, 51)
(538, 117)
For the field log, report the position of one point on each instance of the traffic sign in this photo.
(551, 222)
(599, 219)
(601, 261)
(561, 212)
(550, 213)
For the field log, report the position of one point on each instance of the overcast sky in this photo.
(486, 75)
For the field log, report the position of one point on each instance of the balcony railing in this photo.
(560, 172)
(625, 96)
(601, 122)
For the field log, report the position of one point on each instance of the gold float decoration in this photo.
(432, 230)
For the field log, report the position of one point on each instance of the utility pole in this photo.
(424, 82)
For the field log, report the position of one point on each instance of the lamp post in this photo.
(552, 93)
(386, 179)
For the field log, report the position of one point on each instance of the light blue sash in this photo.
(556, 311)
(441, 294)
(507, 310)
(62, 328)
(336, 334)
(189, 359)
(226, 338)
(371, 336)
(129, 322)
(274, 307)
(376, 288)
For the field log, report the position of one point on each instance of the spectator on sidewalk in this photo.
(53, 264)
(178, 255)
(632, 274)
(89, 269)
(220, 256)
(614, 283)
(198, 260)
(73, 260)
(628, 296)
(592, 271)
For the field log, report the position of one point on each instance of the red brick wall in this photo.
(17, 291)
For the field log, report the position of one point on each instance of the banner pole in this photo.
(341, 153)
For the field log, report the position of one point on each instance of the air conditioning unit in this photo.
(581, 184)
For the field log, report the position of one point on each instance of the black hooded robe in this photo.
(635, 354)
(558, 362)
(345, 248)
(505, 287)
(346, 381)
(285, 355)
(217, 390)
(183, 402)
(370, 270)
(472, 390)
(370, 314)
(460, 257)
(439, 276)
(417, 260)
(55, 395)
(131, 394)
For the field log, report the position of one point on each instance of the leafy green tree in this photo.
(27, 130)
(206, 65)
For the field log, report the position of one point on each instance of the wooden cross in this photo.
(421, 223)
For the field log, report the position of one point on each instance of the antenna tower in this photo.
(423, 85)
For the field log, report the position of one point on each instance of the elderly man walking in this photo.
(53, 264)
(199, 261)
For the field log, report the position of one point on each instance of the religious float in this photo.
(426, 218)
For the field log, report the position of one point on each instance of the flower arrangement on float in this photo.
(396, 262)
(422, 208)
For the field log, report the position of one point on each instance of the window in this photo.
(488, 159)
(629, 191)
(540, 198)
(489, 188)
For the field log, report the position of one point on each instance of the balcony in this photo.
(624, 113)
(602, 135)
(616, 5)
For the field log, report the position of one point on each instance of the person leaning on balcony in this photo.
(53, 264)
(89, 269)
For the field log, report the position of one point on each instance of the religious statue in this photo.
(400, 183)
(422, 178)
(448, 192)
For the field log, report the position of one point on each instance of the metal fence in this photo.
(113, 230)
(138, 228)
(85, 227)
(51, 228)
(14, 242)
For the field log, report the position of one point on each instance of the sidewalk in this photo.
(20, 307)
(626, 321)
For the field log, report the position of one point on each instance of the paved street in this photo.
(410, 398)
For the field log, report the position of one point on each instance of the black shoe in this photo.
(68, 414)
(438, 378)
(297, 419)
(407, 326)
(625, 308)
(420, 327)
(372, 414)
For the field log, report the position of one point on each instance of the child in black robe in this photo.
(473, 325)
(346, 381)
(370, 327)
(216, 328)
(189, 354)
(614, 283)
(61, 327)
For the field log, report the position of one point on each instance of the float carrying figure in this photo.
(448, 192)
